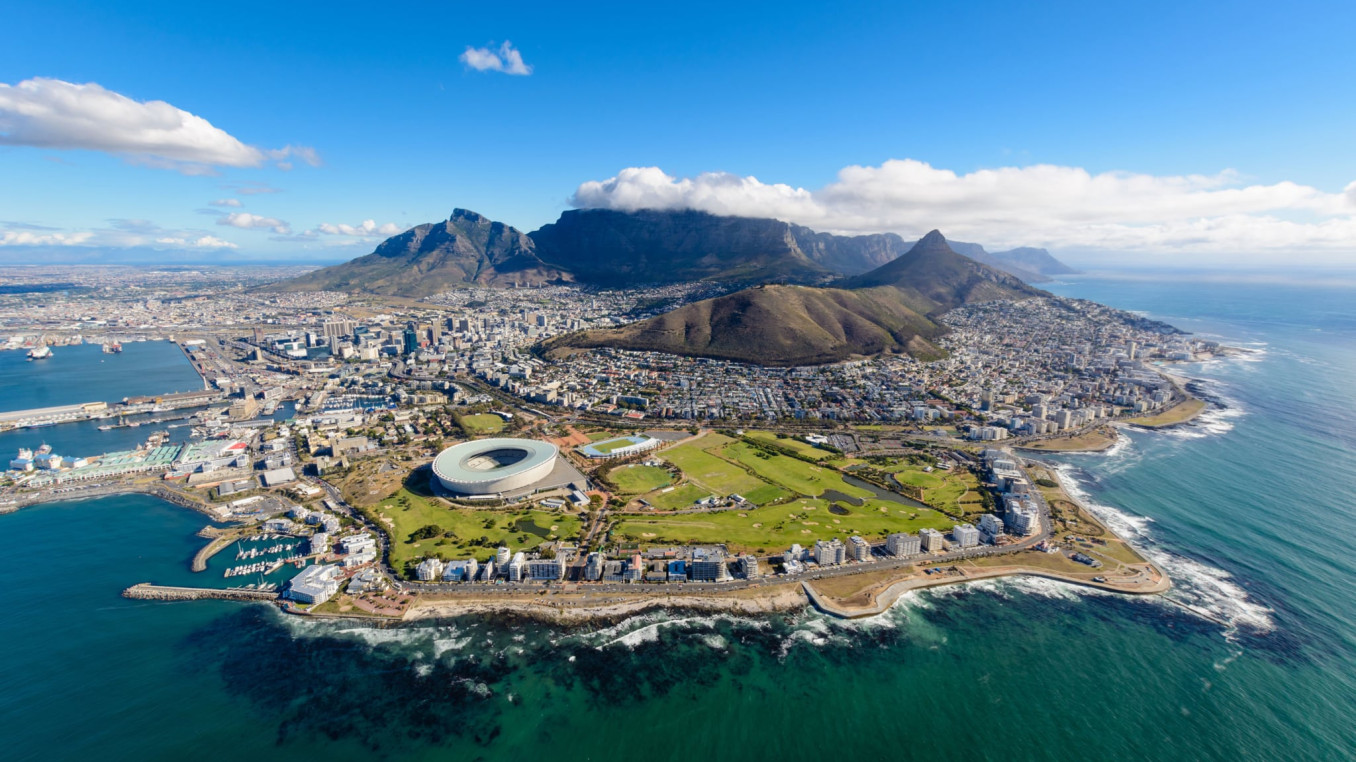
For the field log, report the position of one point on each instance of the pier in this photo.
(146, 591)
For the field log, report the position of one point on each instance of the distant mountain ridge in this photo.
(612, 248)
(467, 249)
(891, 309)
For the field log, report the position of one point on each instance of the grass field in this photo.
(680, 497)
(1097, 439)
(802, 447)
(718, 475)
(637, 480)
(797, 475)
(774, 528)
(482, 423)
(956, 491)
(404, 512)
(1179, 413)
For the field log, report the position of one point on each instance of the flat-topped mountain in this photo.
(648, 246)
(890, 309)
(466, 249)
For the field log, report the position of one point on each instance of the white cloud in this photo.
(121, 234)
(248, 221)
(52, 113)
(232, 202)
(200, 242)
(1040, 205)
(507, 59)
(366, 228)
(30, 238)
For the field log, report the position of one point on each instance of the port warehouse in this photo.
(63, 413)
(54, 413)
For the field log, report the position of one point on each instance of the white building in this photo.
(515, 567)
(966, 536)
(545, 569)
(903, 544)
(429, 570)
(931, 540)
(830, 552)
(991, 527)
(358, 543)
(1022, 518)
(315, 584)
(319, 543)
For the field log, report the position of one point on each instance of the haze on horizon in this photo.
(1144, 134)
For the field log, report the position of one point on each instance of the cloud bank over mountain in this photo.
(1063, 208)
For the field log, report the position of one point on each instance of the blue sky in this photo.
(1107, 132)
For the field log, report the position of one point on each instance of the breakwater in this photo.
(146, 591)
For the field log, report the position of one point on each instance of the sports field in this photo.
(637, 480)
(482, 423)
(774, 528)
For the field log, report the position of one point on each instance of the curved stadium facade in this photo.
(494, 466)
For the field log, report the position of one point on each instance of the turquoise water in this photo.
(1249, 508)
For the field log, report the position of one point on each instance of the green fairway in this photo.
(717, 475)
(680, 497)
(801, 477)
(774, 528)
(483, 423)
(404, 512)
(636, 480)
(956, 491)
(800, 446)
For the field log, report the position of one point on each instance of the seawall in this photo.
(146, 591)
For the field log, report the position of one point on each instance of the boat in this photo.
(112, 348)
(41, 352)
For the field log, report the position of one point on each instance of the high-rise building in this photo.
(593, 567)
(338, 328)
(749, 565)
(931, 540)
(991, 527)
(903, 544)
(858, 549)
(965, 535)
(830, 552)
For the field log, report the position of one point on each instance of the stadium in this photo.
(499, 467)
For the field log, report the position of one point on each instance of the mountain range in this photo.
(611, 248)
(891, 309)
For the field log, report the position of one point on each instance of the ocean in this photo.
(1252, 656)
(83, 373)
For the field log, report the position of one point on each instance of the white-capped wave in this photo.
(1198, 587)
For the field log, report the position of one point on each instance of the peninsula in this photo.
(473, 419)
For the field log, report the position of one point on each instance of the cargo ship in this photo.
(40, 352)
